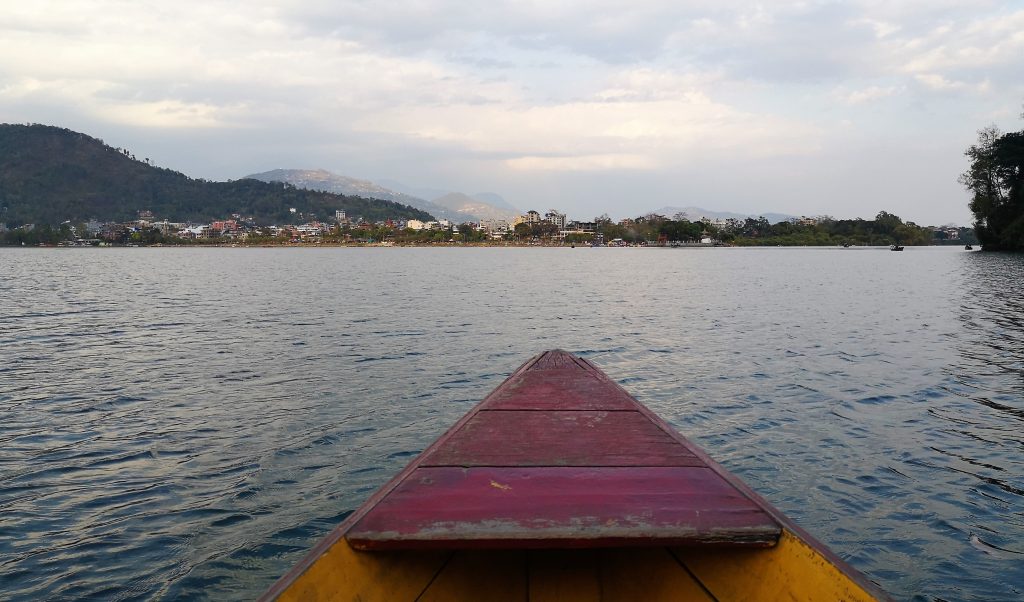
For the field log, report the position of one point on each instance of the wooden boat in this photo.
(561, 486)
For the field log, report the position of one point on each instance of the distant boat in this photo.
(968, 248)
(846, 245)
(896, 248)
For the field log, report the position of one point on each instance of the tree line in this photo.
(885, 229)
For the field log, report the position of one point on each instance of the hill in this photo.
(694, 214)
(326, 181)
(472, 208)
(453, 206)
(50, 174)
(496, 200)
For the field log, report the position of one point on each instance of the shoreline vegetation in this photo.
(648, 231)
(53, 179)
(996, 182)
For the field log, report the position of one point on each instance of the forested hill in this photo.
(49, 175)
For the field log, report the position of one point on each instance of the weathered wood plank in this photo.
(559, 390)
(792, 570)
(557, 359)
(342, 574)
(561, 576)
(634, 574)
(560, 438)
(438, 507)
(494, 576)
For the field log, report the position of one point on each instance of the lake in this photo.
(186, 423)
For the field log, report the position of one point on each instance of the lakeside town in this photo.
(532, 228)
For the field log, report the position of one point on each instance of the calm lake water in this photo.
(185, 423)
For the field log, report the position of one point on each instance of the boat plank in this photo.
(558, 360)
(647, 574)
(793, 570)
(560, 438)
(565, 389)
(438, 507)
(557, 576)
(497, 576)
(381, 577)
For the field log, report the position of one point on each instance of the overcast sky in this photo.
(807, 108)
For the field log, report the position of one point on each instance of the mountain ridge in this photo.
(50, 174)
(697, 213)
(465, 204)
(454, 206)
(328, 181)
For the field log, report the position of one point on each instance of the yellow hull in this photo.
(790, 570)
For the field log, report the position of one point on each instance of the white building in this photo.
(415, 224)
(196, 232)
(309, 230)
(494, 225)
(556, 218)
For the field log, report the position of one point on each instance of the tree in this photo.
(996, 180)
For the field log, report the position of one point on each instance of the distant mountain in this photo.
(454, 206)
(323, 180)
(694, 214)
(50, 174)
(495, 200)
(469, 206)
(416, 191)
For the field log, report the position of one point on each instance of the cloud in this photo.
(867, 95)
(988, 42)
(941, 84)
(517, 90)
(583, 163)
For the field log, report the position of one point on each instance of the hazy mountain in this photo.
(696, 214)
(453, 206)
(481, 205)
(496, 200)
(50, 174)
(321, 179)
(416, 191)
(469, 206)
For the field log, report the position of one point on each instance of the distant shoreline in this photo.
(457, 246)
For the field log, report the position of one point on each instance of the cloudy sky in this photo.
(807, 108)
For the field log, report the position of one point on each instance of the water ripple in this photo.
(185, 423)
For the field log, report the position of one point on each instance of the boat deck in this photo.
(560, 456)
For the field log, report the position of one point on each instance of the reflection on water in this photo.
(184, 423)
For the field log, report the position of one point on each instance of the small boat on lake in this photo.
(896, 248)
(968, 248)
(560, 485)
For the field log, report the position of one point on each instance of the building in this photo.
(194, 232)
(555, 218)
(582, 227)
(495, 226)
(531, 217)
(340, 216)
(415, 224)
(311, 229)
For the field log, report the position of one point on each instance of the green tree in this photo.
(996, 182)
